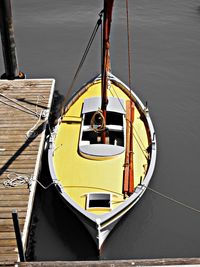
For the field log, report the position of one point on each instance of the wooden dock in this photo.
(192, 262)
(24, 111)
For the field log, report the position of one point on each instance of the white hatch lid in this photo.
(101, 150)
(92, 104)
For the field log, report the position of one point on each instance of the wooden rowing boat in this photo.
(102, 152)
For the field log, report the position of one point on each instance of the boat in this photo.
(102, 152)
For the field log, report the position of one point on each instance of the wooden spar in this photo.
(108, 6)
(127, 152)
(131, 169)
(128, 181)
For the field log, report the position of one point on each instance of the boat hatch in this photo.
(92, 104)
(90, 144)
(98, 201)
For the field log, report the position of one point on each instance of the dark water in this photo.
(51, 37)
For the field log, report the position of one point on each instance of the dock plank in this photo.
(7, 215)
(7, 250)
(115, 263)
(5, 236)
(8, 243)
(20, 155)
(14, 197)
(14, 191)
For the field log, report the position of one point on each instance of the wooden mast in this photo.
(108, 6)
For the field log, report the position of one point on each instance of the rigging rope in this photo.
(99, 22)
(94, 187)
(128, 42)
(140, 141)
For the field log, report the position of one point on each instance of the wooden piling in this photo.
(8, 41)
(18, 236)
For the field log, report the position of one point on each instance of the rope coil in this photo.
(15, 179)
(98, 123)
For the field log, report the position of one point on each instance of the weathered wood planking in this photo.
(117, 263)
(19, 154)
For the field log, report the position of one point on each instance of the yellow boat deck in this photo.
(80, 176)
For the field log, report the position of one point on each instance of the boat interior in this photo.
(91, 172)
(91, 143)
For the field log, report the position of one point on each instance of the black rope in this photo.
(99, 22)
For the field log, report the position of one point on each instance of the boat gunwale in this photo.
(140, 189)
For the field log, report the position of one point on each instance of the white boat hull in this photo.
(99, 226)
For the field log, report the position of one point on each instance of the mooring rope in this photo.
(19, 106)
(172, 199)
(15, 179)
(31, 133)
(40, 115)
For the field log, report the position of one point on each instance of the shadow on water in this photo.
(198, 10)
(55, 232)
(63, 235)
(56, 108)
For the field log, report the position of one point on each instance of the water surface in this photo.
(165, 36)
